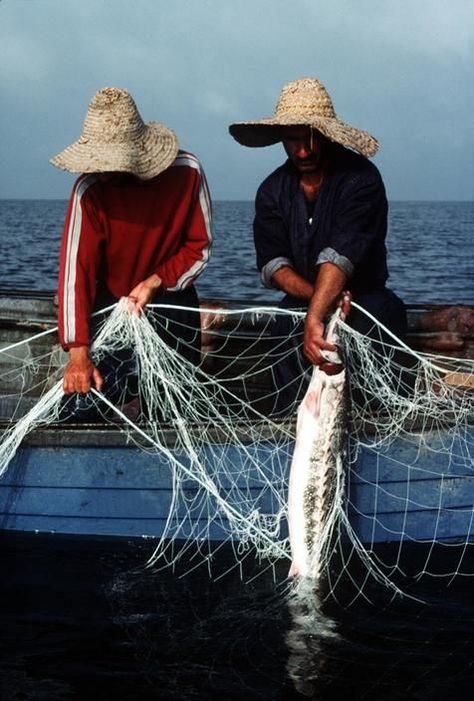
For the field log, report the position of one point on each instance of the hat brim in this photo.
(267, 132)
(155, 151)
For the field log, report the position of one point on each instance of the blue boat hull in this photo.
(108, 488)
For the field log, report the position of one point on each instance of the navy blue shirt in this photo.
(347, 225)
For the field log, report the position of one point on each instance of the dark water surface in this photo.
(429, 248)
(82, 620)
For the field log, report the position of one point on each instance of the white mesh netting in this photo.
(392, 470)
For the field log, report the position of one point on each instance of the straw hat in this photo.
(115, 138)
(304, 102)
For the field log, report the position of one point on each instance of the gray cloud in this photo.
(400, 70)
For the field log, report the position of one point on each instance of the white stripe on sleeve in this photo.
(187, 159)
(73, 238)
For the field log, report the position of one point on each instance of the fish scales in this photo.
(323, 465)
(317, 469)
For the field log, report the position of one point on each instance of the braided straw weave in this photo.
(115, 138)
(304, 102)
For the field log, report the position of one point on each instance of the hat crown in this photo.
(115, 139)
(112, 117)
(306, 97)
(304, 102)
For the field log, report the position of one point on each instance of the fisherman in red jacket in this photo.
(138, 225)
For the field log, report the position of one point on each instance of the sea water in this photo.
(84, 620)
(432, 237)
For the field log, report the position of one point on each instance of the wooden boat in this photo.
(90, 480)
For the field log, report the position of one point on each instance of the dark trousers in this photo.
(292, 371)
(180, 329)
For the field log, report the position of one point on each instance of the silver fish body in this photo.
(316, 482)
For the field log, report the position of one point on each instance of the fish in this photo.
(316, 482)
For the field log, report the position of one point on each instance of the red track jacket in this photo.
(119, 233)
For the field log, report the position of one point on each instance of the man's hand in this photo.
(314, 341)
(328, 288)
(80, 373)
(144, 292)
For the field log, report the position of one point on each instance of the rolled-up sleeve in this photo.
(271, 239)
(359, 224)
(329, 255)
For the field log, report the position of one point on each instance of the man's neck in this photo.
(311, 183)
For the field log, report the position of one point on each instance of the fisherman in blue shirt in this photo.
(320, 224)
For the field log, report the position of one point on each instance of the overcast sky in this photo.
(401, 70)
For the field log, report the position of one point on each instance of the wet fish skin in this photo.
(317, 467)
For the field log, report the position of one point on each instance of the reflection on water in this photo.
(85, 620)
(377, 646)
(311, 630)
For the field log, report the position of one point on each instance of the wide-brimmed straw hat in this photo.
(115, 138)
(304, 102)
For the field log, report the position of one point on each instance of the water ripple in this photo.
(429, 249)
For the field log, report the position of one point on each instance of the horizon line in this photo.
(221, 199)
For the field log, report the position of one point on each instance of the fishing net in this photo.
(198, 455)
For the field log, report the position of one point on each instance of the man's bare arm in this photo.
(322, 297)
(144, 292)
(330, 282)
(287, 280)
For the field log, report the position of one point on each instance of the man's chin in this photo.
(307, 167)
